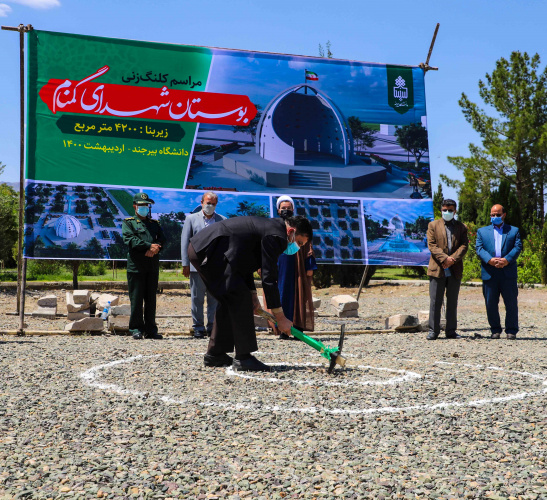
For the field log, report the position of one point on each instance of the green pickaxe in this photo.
(332, 354)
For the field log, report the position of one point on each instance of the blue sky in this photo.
(472, 36)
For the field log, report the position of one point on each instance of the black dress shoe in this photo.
(218, 360)
(495, 336)
(432, 336)
(137, 335)
(154, 336)
(199, 335)
(511, 336)
(250, 364)
(453, 336)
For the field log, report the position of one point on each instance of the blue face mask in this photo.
(292, 248)
(496, 220)
(143, 210)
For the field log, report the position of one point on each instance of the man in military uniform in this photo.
(144, 237)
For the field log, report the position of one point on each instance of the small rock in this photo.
(316, 302)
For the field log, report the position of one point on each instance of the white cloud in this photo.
(297, 64)
(4, 10)
(38, 4)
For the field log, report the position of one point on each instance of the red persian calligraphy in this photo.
(89, 97)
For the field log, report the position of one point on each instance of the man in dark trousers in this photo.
(144, 237)
(226, 254)
(498, 247)
(448, 243)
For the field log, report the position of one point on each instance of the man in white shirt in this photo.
(498, 247)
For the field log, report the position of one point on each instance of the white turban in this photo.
(283, 198)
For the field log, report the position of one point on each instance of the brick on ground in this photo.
(344, 303)
(45, 312)
(80, 296)
(48, 301)
(86, 325)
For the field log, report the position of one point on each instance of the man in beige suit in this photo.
(448, 242)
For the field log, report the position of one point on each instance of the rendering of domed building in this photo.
(67, 227)
(301, 119)
(303, 142)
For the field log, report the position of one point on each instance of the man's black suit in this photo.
(226, 254)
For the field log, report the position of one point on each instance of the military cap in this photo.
(142, 199)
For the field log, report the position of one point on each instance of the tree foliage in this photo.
(9, 201)
(438, 198)
(413, 138)
(363, 136)
(513, 133)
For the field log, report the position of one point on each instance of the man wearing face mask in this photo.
(226, 254)
(498, 247)
(144, 237)
(192, 225)
(448, 243)
(295, 276)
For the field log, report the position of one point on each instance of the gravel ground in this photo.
(109, 417)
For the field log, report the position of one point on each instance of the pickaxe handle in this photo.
(326, 352)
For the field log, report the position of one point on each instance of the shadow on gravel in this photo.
(18, 342)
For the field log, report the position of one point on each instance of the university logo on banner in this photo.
(400, 88)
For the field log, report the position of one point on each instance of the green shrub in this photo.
(471, 262)
(529, 261)
(92, 268)
(44, 268)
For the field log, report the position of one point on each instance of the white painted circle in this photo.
(91, 377)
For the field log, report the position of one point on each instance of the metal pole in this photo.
(362, 282)
(21, 266)
(22, 325)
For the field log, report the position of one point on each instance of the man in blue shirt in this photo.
(498, 247)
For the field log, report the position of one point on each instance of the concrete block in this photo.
(401, 320)
(73, 316)
(344, 303)
(351, 313)
(121, 310)
(261, 322)
(118, 323)
(104, 298)
(86, 325)
(45, 312)
(48, 301)
(72, 307)
(80, 296)
(316, 302)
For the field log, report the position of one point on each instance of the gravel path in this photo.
(109, 417)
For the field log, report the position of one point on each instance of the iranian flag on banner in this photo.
(310, 75)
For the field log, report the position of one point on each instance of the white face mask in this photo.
(447, 216)
(208, 209)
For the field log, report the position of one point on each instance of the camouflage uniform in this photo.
(142, 271)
